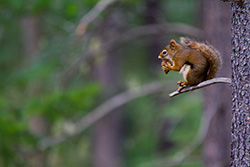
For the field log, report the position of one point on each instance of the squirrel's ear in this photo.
(172, 44)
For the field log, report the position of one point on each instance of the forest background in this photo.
(62, 62)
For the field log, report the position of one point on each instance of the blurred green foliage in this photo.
(143, 143)
(31, 86)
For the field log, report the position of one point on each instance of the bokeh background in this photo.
(81, 84)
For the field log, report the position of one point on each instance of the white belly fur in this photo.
(184, 71)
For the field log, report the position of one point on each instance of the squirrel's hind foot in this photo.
(182, 84)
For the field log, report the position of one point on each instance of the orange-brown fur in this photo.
(196, 61)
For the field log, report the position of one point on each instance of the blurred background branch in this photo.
(102, 110)
(92, 15)
(181, 156)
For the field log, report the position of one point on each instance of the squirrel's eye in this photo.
(164, 52)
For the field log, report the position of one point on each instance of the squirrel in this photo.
(197, 61)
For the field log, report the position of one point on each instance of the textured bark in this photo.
(216, 24)
(240, 150)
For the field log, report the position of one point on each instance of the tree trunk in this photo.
(216, 24)
(38, 126)
(108, 132)
(152, 15)
(240, 149)
(107, 139)
(30, 32)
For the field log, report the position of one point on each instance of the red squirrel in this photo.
(195, 60)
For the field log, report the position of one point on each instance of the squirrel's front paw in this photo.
(165, 67)
(166, 62)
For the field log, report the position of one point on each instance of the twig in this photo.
(92, 15)
(102, 110)
(201, 85)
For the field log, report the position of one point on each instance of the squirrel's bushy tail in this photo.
(208, 51)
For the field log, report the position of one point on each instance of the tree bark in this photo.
(107, 139)
(152, 15)
(30, 32)
(38, 126)
(216, 24)
(108, 132)
(240, 149)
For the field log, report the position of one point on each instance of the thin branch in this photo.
(102, 110)
(201, 85)
(92, 15)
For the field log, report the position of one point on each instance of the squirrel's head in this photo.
(169, 51)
